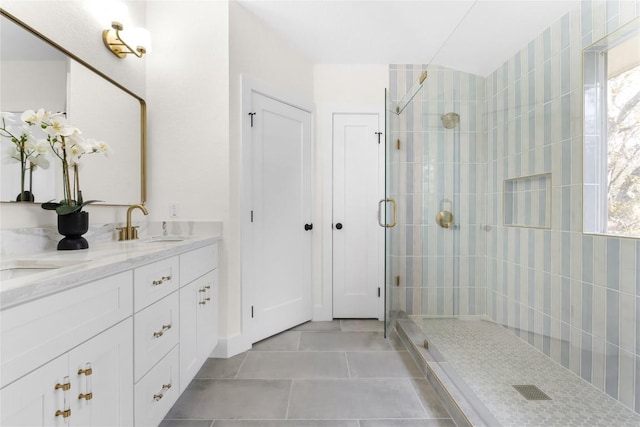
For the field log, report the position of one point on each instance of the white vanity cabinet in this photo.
(88, 386)
(198, 325)
(68, 358)
(117, 351)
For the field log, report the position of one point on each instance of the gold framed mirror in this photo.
(38, 73)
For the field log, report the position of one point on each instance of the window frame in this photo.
(595, 113)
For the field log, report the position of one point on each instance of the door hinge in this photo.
(379, 135)
(252, 312)
(378, 292)
(397, 144)
(397, 280)
(251, 216)
(251, 115)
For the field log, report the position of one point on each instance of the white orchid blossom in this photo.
(35, 117)
(58, 126)
(64, 140)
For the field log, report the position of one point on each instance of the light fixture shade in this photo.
(119, 12)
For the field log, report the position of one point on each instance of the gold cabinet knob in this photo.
(64, 414)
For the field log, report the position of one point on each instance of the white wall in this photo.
(336, 88)
(188, 117)
(257, 52)
(75, 26)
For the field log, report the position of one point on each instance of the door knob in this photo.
(308, 227)
(339, 226)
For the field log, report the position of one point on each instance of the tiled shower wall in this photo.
(441, 271)
(574, 296)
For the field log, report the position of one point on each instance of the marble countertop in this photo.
(79, 267)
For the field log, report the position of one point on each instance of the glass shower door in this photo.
(386, 216)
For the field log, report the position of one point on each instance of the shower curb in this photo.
(463, 405)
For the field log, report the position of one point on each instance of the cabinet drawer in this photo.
(38, 331)
(156, 393)
(155, 281)
(198, 262)
(156, 332)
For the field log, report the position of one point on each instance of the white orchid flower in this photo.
(74, 152)
(99, 147)
(39, 161)
(35, 118)
(58, 126)
(42, 147)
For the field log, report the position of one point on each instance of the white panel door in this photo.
(101, 372)
(281, 207)
(357, 238)
(33, 400)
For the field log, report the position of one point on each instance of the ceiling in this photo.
(476, 36)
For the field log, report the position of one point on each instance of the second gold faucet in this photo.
(128, 232)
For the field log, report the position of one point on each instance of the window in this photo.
(612, 133)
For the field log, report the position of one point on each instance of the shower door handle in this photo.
(395, 213)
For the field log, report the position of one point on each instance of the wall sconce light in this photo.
(122, 43)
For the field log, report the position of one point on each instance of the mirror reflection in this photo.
(35, 74)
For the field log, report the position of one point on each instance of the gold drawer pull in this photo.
(202, 290)
(202, 302)
(161, 281)
(64, 387)
(87, 396)
(207, 299)
(65, 414)
(207, 287)
(87, 372)
(160, 395)
(161, 332)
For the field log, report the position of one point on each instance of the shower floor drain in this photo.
(531, 392)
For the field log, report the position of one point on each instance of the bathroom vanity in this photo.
(108, 336)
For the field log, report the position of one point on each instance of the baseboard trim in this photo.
(230, 346)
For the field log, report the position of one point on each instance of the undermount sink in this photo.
(19, 268)
(157, 239)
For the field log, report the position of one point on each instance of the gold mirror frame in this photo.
(143, 105)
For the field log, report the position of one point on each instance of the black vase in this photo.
(73, 226)
(25, 196)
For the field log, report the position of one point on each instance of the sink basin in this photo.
(19, 268)
(156, 239)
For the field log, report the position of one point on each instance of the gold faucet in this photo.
(129, 232)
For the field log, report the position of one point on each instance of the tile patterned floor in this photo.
(490, 359)
(320, 374)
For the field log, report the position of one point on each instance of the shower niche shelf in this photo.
(527, 201)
